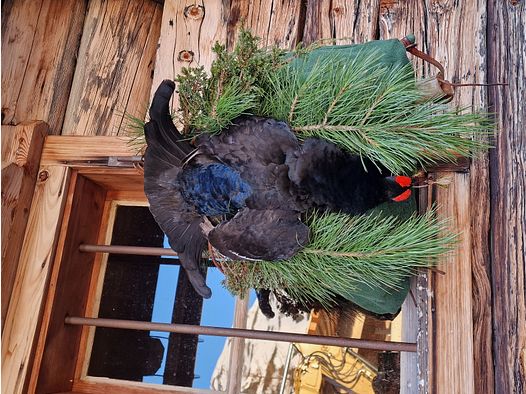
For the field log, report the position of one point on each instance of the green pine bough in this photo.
(342, 94)
(346, 252)
(371, 110)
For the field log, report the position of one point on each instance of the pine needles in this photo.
(235, 85)
(371, 110)
(346, 252)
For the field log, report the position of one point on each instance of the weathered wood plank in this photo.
(454, 33)
(32, 277)
(189, 29)
(95, 291)
(481, 269)
(507, 62)
(400, 18)
(115, 63)
(348, 21)
(457, 38)
(275, 23)
(40, 40)
(123, 180)
(62, 149)
(92, 385)
(21, 150)
(69, 288)
(452, 335)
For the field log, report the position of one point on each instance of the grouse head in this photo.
(397, 188)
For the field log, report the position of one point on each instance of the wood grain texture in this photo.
(97, 284)
(32, 277)
(21, 150)
(452, 335)
(68, 150)
(507, 62)
(92, 385)
(455, 34)
(40, 41)
(400, 18)
(189, 29)
(123, 180)
(69, 287)
(349, 22)
(276, 23)
(114, 68)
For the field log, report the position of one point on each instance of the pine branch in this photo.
(371, 110)
(346, 251)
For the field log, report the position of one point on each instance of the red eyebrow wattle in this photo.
(404, 196)
(403, 181)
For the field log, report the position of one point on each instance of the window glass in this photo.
(150, 288)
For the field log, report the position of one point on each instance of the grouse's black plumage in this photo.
(255, 180)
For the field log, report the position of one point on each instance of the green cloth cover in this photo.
(378, 299)
(390, 52)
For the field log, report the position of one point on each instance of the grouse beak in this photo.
(405, 183)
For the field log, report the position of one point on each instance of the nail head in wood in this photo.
(43, 175)
(185, 56)
(194, 11)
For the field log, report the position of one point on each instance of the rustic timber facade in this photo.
(70, 69)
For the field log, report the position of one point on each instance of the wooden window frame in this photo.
(93, 192)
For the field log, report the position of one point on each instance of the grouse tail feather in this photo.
(164, 139)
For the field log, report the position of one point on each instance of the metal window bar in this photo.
(243, 333)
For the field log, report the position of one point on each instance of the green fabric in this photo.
(378, 299)
(390, 53)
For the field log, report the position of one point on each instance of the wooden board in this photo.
(114, 67)
(94, 385)
(40, 40)
(95, 291)
(507, 54)
(275, 23)
(69, 286)
(452, 335)
(122, 180)
(348, 22)
(189, 29)
(21, 150)
(71, 150)
(32, 276)
(457, 34)
(454, 33)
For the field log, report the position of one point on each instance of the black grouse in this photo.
(244, 190)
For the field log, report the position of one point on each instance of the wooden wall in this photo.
(506, 52)
(79, 65)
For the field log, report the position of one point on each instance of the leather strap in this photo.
(447, 87)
